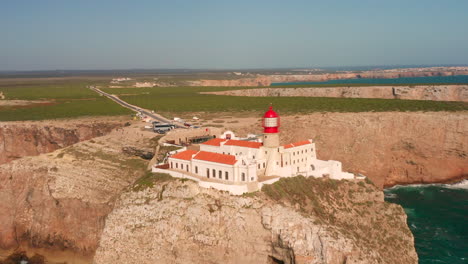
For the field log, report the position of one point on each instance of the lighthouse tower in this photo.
(271, 123)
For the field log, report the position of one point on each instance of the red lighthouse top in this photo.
(271, 121)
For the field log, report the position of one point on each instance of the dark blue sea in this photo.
(458, 79)
(438, 219)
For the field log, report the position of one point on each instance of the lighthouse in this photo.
(271, 123)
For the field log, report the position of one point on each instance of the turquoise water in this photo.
(458, 79)
(438, 218)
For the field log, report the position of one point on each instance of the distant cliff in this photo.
(419, 92)
(267, 80)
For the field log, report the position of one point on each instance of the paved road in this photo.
(134, 107)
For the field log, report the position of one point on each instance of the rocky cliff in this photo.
(296, 220)
(390, 148)
(58, 201)
(63, 204)
(267, 80)
(19, 139)
(420, 92)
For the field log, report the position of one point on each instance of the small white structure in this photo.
(227, 161)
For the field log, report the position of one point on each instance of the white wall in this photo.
(233, 189)
(204, 165)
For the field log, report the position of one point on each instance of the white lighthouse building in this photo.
(240, 166)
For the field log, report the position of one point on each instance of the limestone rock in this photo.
(179, 222)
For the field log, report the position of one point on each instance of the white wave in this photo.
(390, 195)
(459, 185)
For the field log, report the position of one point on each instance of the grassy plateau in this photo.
(65, 98)
(56, 100)
(188, 99)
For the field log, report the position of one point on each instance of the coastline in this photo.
(451, 181)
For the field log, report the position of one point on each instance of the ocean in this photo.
(457, 79)
(438, 219)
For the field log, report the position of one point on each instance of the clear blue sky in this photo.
(113, 34)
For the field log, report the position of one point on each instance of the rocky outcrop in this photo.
(58, 201)
(179, 222)
(420, 92)
(390, 148)
(19, 139)
(267, 80)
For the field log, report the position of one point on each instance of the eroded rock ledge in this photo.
(19, 139)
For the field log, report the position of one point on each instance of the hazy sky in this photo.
(113, 34)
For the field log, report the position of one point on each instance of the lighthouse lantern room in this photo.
(271, 123)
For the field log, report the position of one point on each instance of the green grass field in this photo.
(72, 98)
(63, 100)
(187, 99)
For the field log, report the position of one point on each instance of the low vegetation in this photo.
(62, 100)
(356, 209)
(188, 99)
(68, 98)
(149, 179)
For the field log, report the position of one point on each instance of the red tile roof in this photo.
(216, 157)
(288, 146)
(184, 155)
(243, 143)
(214, 142)
(297, 144)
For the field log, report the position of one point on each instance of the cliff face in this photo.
(179, 222)
(423, 92)
(59, 201)
(19, 139)
(390, 148)
(267, 80)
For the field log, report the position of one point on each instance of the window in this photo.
(226, 175)
(251, 178)
(196, 169)
(263, 164)
(186, 167)
(302, 151)
(220, 174)
(172, 165)
(181, 166)
(259, 166)
(294, 153)
(243, 176)
(177, 165)
(286, 163)
(207, 173)
(253, 157)
(214, 173)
